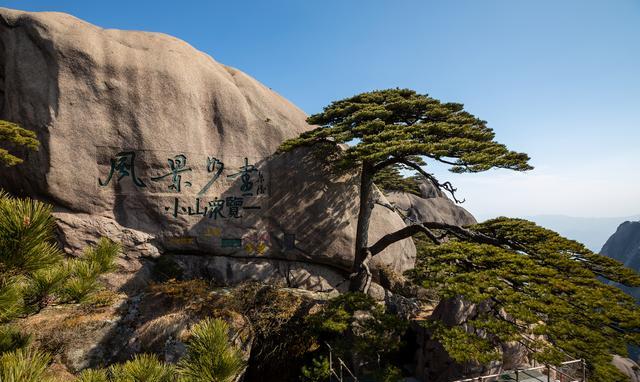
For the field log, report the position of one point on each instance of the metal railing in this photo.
(570, 371)
(339, 374)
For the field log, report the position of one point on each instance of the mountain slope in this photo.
(624, 246)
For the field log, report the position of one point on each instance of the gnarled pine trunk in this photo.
(361, 276)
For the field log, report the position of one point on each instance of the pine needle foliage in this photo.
(24, 365)
(26, 236)
(318, 371)
(13, 137)
(12, 339)
(142, 368)
(400, 123)
(210, 356)
(11, 299)
(102, 256)
(357, 328)
(535, 287)
(83, 272)
(93, 375)
(26, 249)
(44, 284)
(82, 282)
(33, 270)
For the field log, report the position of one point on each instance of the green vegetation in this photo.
(532, 286)
(143, 367)
(318, 371)
(33, 271)
(12, 137)
(401, 127)
(82, 274)
(91, 375)
(288, 330)
(12, 339)
(360, 332)
(24, 365)
(210, 356)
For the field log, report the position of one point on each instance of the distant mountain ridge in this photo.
(592, 232)
(624, 245)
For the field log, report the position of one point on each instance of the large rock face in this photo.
(153, 143)
(432, 205)
(91, 91)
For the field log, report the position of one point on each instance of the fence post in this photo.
(330, 363)
(517, 376)
(584, 370)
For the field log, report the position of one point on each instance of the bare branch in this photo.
(460, 233)
(387, 162)
(400, 234)
(447, 186)
(468, 235)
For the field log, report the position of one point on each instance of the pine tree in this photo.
(33, 270)
(399, 126)
(210, 355)
(12, 137)
(24, 365)
(143, 367)
(535, 287)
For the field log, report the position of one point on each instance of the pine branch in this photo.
(446, 186)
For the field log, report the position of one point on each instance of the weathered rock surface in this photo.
(157, 321)
(627, 367)
(432, 205)
(73, 334)
(153, 143)
(225, 270)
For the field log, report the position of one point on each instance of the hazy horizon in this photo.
(590, 231)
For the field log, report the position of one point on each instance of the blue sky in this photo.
(559, 80)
